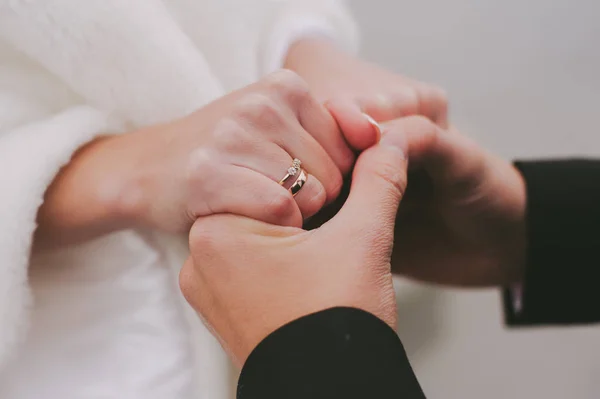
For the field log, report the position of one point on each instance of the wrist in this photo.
(124, 185)
(82, 201)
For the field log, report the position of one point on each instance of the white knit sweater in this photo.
(105, 319)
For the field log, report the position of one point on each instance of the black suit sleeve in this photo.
(337, 353)
(562, 282)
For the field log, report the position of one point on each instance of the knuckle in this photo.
(441, 106)
(230, 136)
(282, 205)
(421, 124)
(288, 84)
(439, 94)
(434, 99)
(201, 163)
(260, 110)
(209, 236)
(407, 101)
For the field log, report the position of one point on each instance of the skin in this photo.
(463, 221)
(225, 158)
(350, 86)
(347, 261)
(308, 271)
(163, 177)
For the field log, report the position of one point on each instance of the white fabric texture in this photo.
(106, 319)
(299, 28)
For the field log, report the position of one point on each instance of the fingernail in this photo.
(375, 125)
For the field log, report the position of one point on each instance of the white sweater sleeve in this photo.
(296, 19)
(31, 154)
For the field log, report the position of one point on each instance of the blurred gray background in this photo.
(522, 76)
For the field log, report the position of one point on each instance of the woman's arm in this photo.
(88, 197)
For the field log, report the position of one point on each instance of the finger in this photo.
(312, 197)
(270, 160)
(360, 131)
(421, 134)
(398, 102)
(242, 191)
(316, 119)
(315, 160)
(433, 103)
(269, 146)
(378, 184)
(411, 99)
(429, 147)
(312, 115)
(307, 190)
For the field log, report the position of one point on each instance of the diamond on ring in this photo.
(295, 167)
(292, 171)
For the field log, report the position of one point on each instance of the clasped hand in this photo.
(461, 222)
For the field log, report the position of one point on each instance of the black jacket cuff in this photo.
(336, 353)
(563, 222)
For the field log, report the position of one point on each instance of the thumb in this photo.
(378, 184)
(447, 156)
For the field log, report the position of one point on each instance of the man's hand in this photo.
(463, 218)
(247, 278)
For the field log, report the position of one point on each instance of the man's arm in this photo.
(337, 353)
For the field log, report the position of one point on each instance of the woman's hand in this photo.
(350, 86)
(228, 157)
(247, 278)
